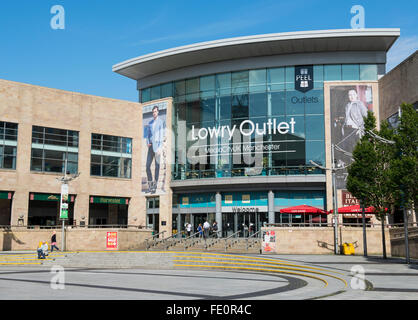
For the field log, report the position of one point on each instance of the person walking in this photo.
(188, 229)
(215, 228)
(200, 230)
(206, 227)
(54, 241)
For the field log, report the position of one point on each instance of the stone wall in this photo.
(398, 242)
(398, 86)
(76, 239)
(321, 240)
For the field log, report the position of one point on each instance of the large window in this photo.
(8, 145)
(214, 106)
(111, 156)
(54, 149)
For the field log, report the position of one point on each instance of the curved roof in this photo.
(258, 45)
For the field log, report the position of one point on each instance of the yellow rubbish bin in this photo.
(346, 249)
(351, 248)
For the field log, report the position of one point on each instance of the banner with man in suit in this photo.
(154, 142)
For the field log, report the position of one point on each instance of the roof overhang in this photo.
(257, 46)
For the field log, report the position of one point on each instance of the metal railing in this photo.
(71, 226)
(154, 238)
(215, 237)
(192, 240)
(232, 236)
(255, 237)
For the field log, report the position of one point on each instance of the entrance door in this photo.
(228, 224)
(198, 218)
(247, 223)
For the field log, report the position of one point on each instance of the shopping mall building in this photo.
(232, 130)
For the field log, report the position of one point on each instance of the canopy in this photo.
(354, 209)
(303, 209)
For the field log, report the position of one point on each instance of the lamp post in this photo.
(333, 170)
(64, 200)
(363, 218)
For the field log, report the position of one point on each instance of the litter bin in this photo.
(351, 248)
(346, 249)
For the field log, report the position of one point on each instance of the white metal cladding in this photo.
(256, 46)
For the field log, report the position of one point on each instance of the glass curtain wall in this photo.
(222, 122)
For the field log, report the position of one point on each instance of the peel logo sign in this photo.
(303, 78)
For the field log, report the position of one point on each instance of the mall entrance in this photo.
(247, 222)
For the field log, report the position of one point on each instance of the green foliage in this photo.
(405, 162)
(369, 177)
(384, 174)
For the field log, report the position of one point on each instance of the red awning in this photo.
(303, 209)
(354, 209)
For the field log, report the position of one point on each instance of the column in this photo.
(218, 218)
(271, 207)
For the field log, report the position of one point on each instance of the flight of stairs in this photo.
(233, 245)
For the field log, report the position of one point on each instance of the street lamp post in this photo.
(64, 194)
(363, 217)
(333, 170)
(334, 187)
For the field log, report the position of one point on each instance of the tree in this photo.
(405, 162)
(369, 176)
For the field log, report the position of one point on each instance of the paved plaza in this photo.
(203, 276)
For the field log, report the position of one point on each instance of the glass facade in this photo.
(111, 156)
(8, 145)
(251, 122)
(52, 147)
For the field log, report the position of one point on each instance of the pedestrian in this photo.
(200, 230)
(215, 228)
(42, 250)
(206, 227)
(54, 241)
(188, 229)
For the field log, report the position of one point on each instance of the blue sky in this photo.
(101, 33)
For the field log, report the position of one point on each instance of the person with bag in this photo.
(54, 241)
(206, 227)
(215, 228)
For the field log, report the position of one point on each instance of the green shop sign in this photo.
(47, 197)
(109, 200)
(6, 195)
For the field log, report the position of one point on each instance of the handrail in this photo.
(252, 237)
(215, 239)
(193, 236)
(229, 237)
(153, 239)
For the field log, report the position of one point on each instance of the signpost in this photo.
(64, 201)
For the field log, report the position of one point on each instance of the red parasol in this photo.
(303, 209)
(354, 209)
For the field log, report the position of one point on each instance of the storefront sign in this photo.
(246, 128)
(349, 199)
(47, 197)
(112, 241)
(244, 209)
(269, 241)
(109, 200)
(5, 195)
(303, 78)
